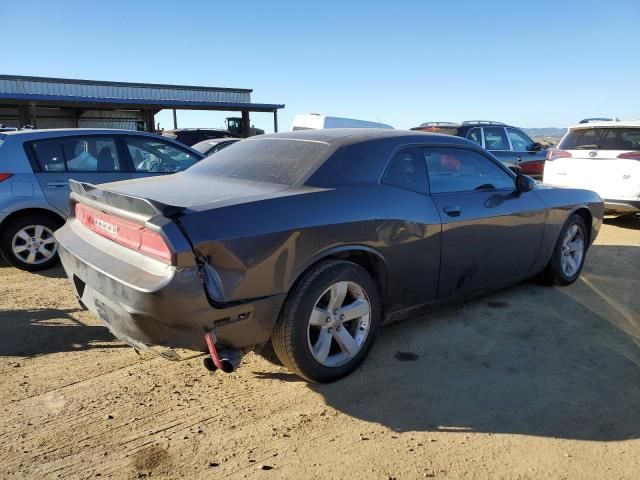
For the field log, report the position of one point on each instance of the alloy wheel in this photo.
(339, 324)
(34, 244)
(572, 250)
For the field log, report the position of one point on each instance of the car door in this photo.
(525, 152)
(497, 142)
(86, 158)
(490, 232)
(153, 156)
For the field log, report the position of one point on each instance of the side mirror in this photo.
(535, 147)
(524, 184)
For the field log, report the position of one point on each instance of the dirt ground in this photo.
(528, 383)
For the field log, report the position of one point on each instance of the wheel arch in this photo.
(25, 212)
(586, 215)
(366, 257)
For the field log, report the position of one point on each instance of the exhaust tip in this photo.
(208, 364)
(227, 365)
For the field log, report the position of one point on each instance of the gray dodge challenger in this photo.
(310, 240)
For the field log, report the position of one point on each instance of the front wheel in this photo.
(568, 256)
(328, 322)
(28, 243)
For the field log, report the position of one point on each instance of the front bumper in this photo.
(630, 206)
(163, 306)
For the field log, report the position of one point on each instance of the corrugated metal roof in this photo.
(125, 93)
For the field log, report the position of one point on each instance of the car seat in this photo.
(106, 162)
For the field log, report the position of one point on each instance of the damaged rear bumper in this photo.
(146, 304)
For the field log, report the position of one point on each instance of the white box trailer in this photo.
(312, 121)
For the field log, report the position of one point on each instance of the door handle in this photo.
(452, 211)
(57, 184)
(518, 159)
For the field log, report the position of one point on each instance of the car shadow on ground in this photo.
(54, 272)
(30, 333)
(529, 360)
(624, 221)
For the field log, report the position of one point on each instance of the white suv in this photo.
(603, 157)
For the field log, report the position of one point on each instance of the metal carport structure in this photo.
(45, 102)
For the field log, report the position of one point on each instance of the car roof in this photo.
(359, 135)
(215, 141)
(64, 132)
(609, 124)
(174, 130)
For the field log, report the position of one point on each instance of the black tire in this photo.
(554, 274)
(289, 339)
(10, 230)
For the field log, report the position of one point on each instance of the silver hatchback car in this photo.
(35, 168)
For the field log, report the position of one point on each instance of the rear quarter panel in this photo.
(21, 190)
(259, 249)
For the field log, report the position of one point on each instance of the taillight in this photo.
(124, 232)
(532, 168)
(630, 155)
(4, 176)
(554, 153)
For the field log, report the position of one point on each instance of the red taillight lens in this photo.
(4, 176)
(124, 232)
(554, 153)
(532, 168)
(630, 155)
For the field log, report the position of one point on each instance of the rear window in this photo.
(601, 139)
(281, 161)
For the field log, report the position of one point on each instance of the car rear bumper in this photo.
(630, 206)
(144, 309)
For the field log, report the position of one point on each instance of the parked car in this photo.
(603, 157)
(191, 136)
(35, 168)
(312, 241)
(598, 119)
(510, 145)
(209, 147)
(315, 121)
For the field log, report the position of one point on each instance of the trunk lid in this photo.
(194, 191)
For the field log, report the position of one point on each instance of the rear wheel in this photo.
(28, 243)
(568, 256)
(328, 323)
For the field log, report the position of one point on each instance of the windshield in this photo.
(601, 139)
(271, 160)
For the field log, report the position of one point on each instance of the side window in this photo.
(520, 142)
(91, 154)
(49, 155)
(406, 170)
(77, 154)
(153, 155)
(461, 170)
(474, 135)
(495, 138)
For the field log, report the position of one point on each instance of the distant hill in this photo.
(545, 132)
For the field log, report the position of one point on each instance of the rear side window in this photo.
(77, 154)
(475, 136)
(459, 170)
(495, 138)
(407, 170)
(281, 161)
(601, 139)
(49, 155)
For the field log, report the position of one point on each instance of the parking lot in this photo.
(530, 382)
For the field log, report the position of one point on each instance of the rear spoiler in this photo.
(138, 206)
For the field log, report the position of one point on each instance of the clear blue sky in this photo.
(532, 64)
